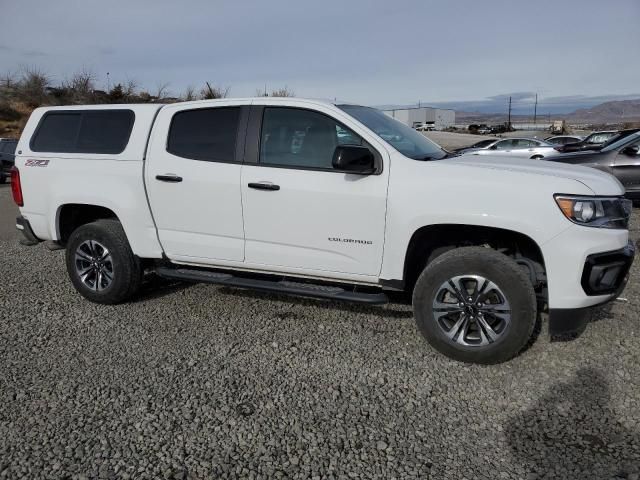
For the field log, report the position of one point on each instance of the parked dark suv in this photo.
(593, 142)
(620, 157)
(7, 151)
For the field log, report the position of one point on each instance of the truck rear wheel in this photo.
(476, 305)
(100, 262)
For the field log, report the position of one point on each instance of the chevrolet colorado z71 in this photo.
(333, 201)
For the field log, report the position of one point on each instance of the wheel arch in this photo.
(430, 241)
(70, 216)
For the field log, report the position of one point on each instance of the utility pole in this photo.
(509, 121)
(108, 85)
(535, 110)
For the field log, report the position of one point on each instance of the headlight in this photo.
(600, 212)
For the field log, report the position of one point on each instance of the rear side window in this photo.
(205, 134)
(84, 131)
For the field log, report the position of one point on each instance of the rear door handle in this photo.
(169, 177)
(264, 186)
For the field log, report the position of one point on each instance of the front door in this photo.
(193, 182)
(300, 213)
(626, 168)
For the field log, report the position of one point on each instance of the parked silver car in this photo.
(513, 147)
(563, 139)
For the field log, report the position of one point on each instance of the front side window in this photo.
(83, 131)
(207, 134)
(504, 145)
(301, 138)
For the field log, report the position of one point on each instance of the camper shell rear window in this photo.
(83, 131)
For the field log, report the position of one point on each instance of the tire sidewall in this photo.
(521, 300)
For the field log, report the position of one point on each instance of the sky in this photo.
(464, 54)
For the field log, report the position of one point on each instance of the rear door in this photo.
(192, 175)
(300, 214)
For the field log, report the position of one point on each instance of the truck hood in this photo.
(599, 182)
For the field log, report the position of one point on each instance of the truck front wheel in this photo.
(476, 305)
(100, 262)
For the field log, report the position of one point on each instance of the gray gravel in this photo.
(198, 381)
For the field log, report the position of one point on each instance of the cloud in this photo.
(523, 103)
(366, 51)
(105, 50)
(34, 53)
(515, 96)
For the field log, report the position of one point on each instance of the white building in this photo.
(437, 117)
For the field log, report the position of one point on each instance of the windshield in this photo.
(622, 142)
(599, 137)
(400, 136)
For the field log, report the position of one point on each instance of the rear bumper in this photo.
(604, 274)
(24, 226)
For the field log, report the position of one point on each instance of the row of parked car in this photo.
(614, 151)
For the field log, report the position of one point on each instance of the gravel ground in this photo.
(198, 381)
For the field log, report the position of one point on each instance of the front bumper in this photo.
(604, 273)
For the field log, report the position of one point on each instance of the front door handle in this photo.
(264, 186)
(169, 177)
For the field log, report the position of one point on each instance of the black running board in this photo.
(279, 286)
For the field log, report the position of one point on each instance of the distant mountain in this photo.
(608, 112)
(613, 112)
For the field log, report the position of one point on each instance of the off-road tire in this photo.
(512, 280)
(127, 269)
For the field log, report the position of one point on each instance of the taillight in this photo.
(16, 187)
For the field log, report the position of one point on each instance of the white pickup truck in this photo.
(334, 201)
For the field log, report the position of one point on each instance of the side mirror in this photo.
(631, 150)
(353, 159)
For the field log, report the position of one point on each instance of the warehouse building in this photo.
(438, 117)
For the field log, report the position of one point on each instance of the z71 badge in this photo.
(36, 163)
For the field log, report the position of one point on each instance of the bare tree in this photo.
(162, 91)
(209, 92)
(32, 87)
(129, 89)
(283, 92)
(7, 84)
(278, 92)
(189, 94)
(80, 87)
